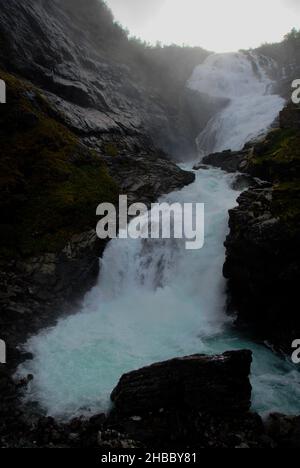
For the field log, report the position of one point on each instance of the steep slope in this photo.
(285, 62)
(106, 87)
(81, 125)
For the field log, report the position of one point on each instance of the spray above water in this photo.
(156, 300)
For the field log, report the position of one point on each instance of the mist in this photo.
(214, 25)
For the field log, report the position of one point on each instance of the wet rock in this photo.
(146, 178)
(109, 439)
(203, 383)
(244, 181)
(208, 408)
(284, 430)
(196, 401)
(89, 70)
(290, 117)
(262, 268)
(201, 166)
(229, 161)
(108, 110)
(262, 249)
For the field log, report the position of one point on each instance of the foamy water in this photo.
(251, 108)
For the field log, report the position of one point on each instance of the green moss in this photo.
(278, 160)
(111, 149)
(286, 203)
(50, 184)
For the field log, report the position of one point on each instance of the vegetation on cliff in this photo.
(277, 159)
(50, 183)
(285, 52)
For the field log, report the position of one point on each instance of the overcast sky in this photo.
(218, 25)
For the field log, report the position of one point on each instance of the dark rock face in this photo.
(33, 288)
(92, 73)
(287, 63)
(263, 269)
(290, 117)
(145, 178)
(187, 403)
(18, 430)
(86, 107)
(229, 161)
(244, 181)
(34, 291)
(284, 430)
(234, 162)
(263, 248)
(197, 400)
(198, 382)
(83, 110)
(192, 402)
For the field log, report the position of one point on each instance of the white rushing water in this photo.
(155, 300)
(251, 109)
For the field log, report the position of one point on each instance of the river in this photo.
(154, 299)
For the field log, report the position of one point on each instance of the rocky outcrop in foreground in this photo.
(192, 401)
(186, 403)
(204, 383)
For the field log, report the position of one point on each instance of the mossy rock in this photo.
(111, 149)
(286, 203)
(50, 183)
(278, 160)
(278, 157)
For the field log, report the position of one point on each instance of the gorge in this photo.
(93, 114)
(154, 300)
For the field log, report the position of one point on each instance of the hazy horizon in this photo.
(216, 25)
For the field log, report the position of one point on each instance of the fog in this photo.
(217, 25)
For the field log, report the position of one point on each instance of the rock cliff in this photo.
(83, 122)
(102, 85)
(263, 247)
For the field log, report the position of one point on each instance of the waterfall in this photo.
(243, 80)
(156, 300)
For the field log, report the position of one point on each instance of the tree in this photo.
(293, 35)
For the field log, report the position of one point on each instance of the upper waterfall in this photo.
(241, 81)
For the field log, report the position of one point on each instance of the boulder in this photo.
(229, 161)
(145, 178)
(244, 181)
(196, 401)
(284, 430)
(212, 384)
